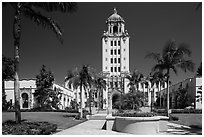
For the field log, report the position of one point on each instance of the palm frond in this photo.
(186, 65)
(155, 56)
(56, 6)
(44, 21)
(184, 49)
(169, 47)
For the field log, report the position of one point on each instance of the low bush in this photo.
(45, 109)
(172, 118)
(28, 128)
(179, 111)
(135, 114)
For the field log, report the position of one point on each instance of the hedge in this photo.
(135, 114)
(28, 128)
(179, 111)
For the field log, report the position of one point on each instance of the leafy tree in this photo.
(80, 79)
(29, 10)
(132, 100)
(199, 71)
(44, 94)
(171, 58)
(183, 98)
(7, 74)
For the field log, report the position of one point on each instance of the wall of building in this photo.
(28, 87)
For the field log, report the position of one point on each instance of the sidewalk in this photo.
(94, 127)
(90, 127)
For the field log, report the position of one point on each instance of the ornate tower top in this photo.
(114, 11)
(115, 17)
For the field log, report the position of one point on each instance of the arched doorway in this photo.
(25, 100)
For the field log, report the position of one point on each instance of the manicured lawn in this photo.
(51, 117)
(189, 119)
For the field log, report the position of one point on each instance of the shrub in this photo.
(135, 114)
(172, 118)
(28, 128)
(179, 111)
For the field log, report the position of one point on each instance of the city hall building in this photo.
(115, 67)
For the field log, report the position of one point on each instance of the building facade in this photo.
(115, 58)
(193, 87)
(28, 87)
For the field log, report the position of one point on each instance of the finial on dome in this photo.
(115, 11)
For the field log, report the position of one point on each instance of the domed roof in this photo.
(115, 17)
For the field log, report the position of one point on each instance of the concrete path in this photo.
(90, 127)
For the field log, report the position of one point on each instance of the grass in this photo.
(59, 118)
(192, 120)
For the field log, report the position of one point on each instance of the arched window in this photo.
(115, 29)
(25, 100)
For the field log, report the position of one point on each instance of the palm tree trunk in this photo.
(160, 97)
(168, 92)
(81, 111)
(98, 99)
(16, 35)
(90, 98)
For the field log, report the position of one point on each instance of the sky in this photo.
(149, 25)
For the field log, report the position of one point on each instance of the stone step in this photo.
(97, 117)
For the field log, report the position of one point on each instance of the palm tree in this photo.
(80, 79)
(100, 85)
(28, 9)
(171, 58)
(158, 78)
(135, 79)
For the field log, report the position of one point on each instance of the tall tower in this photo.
(115, 46)
(115, 54)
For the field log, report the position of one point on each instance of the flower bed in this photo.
(28, 128)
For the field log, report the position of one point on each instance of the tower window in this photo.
(111, 43)
(115, 29)
(116, 84)
(106, 68)
(124, 58)
(115, 51)
(118, 60)
(111, 52)
(115, 69)
(115, 60)
(111, 84)
(111, 69)
(115, 43)
(111, 60)
(119, 51)
(124, 67)
(106, 59)
(118, 42)
(124, 49)
(118, 69)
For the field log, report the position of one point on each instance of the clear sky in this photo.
(149, 25)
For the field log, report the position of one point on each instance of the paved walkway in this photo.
(90, 127)
(94, 127)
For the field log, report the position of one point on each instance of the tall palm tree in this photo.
(100, 85)
(28, 9)
(81, 79)
(135, 79)
(171, 58)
